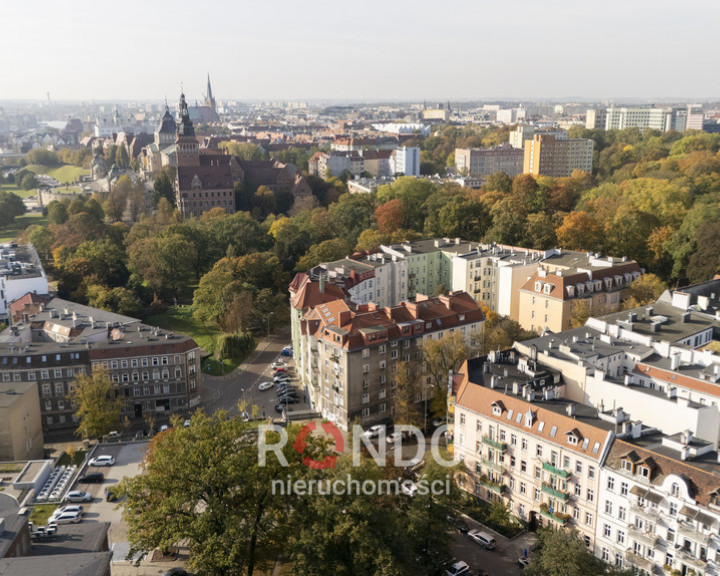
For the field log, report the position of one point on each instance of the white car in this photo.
(66, 518)
(374, 431)
(114, 435)
(265, 386)
(458, 569)
(281, 378)
(278, 364)
(524, 561)
(78, 496)
(69, 509)
(187, 423)
(102, 461)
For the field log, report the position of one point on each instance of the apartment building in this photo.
(653, 118)
(596, 119)
(525, 445)
(486, 161)
(20, 272)
(349, 354)
(405, 160)
(660, 504)
(155, 371)
(548, 155)
(548, 298)
(21, 436)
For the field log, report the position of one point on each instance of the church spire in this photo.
(209, 99)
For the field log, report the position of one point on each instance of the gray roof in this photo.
(11, 527)
(89, 564)
(75, 539)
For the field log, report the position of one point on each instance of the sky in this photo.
(359, 51)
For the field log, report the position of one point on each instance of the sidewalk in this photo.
(514, 547)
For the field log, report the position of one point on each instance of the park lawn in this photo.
(64, 173)
(18, 191)
(180, 319)
(12, 231)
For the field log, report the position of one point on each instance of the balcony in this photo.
(496, 487)
(565, 474)
(688, 557)
(644, 537)
(646, 512)
(558, 517)
(493, 465)
(639, 561)
(494, 443)
(555, 493)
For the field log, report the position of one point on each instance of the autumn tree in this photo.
(98, 404)
(389, 216)
(644, 290)
(406, 409)
(580, 231)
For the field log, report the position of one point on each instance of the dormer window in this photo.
(644, 471)
(547, 288)
(538, 286)
(496, 411)
(571, 291)
(529, 419)
(674, 489)
(572, 440)
(627, 466)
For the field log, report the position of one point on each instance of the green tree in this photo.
(11, 205)
(203, 486)
(243, 150)
(326, 251)
(645, 290)
(29, 181)
(441, 356)
(166, 263)
(562, 553)
(163, 186)
(119, 300)
(116, 201)
(98, 404)
(406, 409)
(122, 158)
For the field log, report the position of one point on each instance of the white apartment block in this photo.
(20, 272)
(405, 161)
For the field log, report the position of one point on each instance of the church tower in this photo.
(186, 145)
(209, 98)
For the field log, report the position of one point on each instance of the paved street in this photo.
(242, 384)
(501, 561)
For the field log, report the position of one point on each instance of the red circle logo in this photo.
(328, 461)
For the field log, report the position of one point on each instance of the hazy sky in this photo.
(368, 49)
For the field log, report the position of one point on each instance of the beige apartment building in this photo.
(21, 436)
(522, 444)
(350, 353)
(548, 155)
(550, 296)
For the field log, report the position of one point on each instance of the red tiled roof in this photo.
(304, 293)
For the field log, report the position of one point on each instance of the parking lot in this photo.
(127, 463)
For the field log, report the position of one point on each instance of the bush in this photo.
(232, 345)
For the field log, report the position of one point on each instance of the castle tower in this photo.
(186, 145)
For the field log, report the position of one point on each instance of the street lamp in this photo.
(268, 319)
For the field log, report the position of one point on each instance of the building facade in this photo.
(547, 155)
(486, 161)
(350, 354)
(155, 371)
(20, 272)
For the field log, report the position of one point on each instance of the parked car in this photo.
(458, 568)
(286, 352)
(92, 478)
(265, 386)
(524, 561)
(72, 508)
(289, 399)
(284, 388)
(483, 538)
(113, 436)
(280, 408)
(78, 496)
(374, 431)
(459, 523)
(66, 518)
(164, 427)
(102, 461)
(281, 377)
(278, 364)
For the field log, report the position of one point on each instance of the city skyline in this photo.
(399, 51)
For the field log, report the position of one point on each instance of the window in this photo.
(578, 467)
(623, 489)
(48, 405)
(591, 471)
(513, 440)
(578, 490)
(622, 513)
(59, 389)
(674, 489)
(673, 509)
(365, 398)
(523, 466)
(478, 426)
(365, 412)
(590, 495)
(124, 363)
(46, 390)
(539, 451)
(605, 555)
(366, 368)
(44, 374)
(524, 444)
(608, 507)
(588, 518)
(606, 532)
(538, 473)
(462, 418)
(366, 353)
(620, 537)
(536, 494)
(610, 483)
(523, 488)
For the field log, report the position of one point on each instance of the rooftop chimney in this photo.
(570, 410)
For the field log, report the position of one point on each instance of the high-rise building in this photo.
(405, 161)
(595, 119)
(547, 155)
(486, 161)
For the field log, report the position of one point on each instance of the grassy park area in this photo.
(12, 231)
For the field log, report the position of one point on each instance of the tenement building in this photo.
(349, 354)
(522, 443)
(155, 371)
